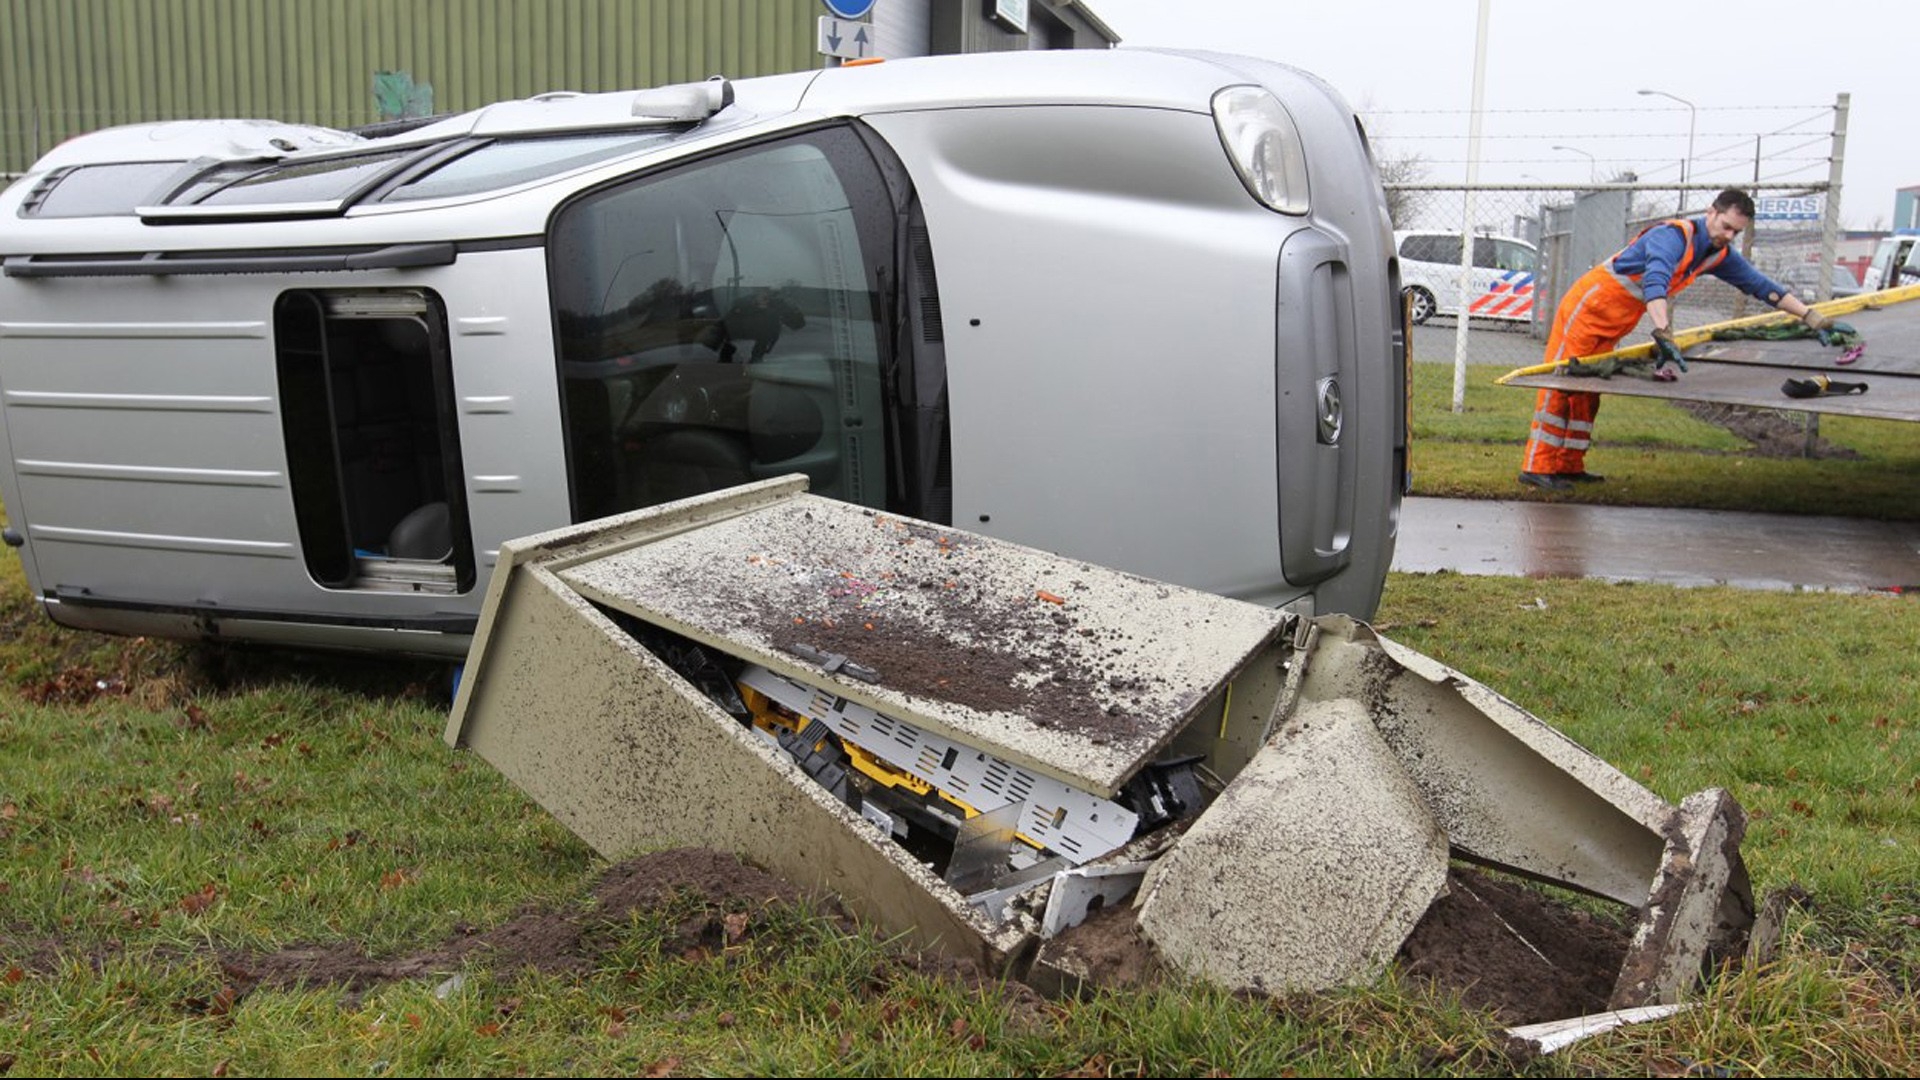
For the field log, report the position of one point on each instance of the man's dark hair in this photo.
(1734, 199)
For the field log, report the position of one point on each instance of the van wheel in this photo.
(1422, 304)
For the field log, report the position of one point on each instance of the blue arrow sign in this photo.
(848, 9)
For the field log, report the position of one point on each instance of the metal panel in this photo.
(1062, 673)
(904, 28)
(1751, 372)
(75, 66)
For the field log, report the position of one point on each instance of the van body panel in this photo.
(1047, 279)
(1142, 405)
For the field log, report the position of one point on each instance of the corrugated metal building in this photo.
(73, 66)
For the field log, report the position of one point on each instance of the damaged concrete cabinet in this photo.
(979, 744)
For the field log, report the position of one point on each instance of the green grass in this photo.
(1656, 454)
(159, 813)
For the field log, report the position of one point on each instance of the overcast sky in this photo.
(1565, 74)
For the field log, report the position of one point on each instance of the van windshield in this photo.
(722, 322)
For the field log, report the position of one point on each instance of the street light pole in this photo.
(1593, 164)
(1686, 165)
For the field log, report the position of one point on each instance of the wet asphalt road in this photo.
(1674, 547)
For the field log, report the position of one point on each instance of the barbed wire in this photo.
(1595, 109)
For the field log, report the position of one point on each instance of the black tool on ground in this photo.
(1820, 386)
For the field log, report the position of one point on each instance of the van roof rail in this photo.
(682, 103)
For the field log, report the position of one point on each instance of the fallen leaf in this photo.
(958, 1029)
(196, 902)
(393, 879)
(725, 1020)
(12, 975)
(663, 1067)
(223, 1001)
(488, 1029)
(9, 811)
(736, 925)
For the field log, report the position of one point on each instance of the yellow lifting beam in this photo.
(1686, 339)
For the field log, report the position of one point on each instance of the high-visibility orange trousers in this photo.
(1592, 318)
(1562, 431)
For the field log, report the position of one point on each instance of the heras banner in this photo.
(1789, 208)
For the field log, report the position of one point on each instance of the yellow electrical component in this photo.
(776, 719)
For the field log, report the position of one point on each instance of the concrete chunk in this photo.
(1311, 868)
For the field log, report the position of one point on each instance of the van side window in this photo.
(726, 321)
(373, 452)
(1432, 247)
(1508, 255)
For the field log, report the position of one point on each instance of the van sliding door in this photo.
(373, 451)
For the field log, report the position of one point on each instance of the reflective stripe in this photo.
(1630, 284)
(1579, 425)
(1545, 417)
(1549, 439)
(1573, 316)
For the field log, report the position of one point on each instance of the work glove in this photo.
(1666, 352)
(1828, 330)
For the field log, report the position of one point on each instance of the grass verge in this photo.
(1655, 453)
(164, 818)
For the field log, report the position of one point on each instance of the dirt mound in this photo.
(1513, 951)
(715, 899)
(1502, 946)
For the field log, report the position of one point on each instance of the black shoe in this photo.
(1583, 477)
(1546, 481)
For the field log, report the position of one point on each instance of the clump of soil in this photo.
(1511, 950)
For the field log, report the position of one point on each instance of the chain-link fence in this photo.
(1531, 241)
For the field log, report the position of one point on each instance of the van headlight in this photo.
(1263, 145)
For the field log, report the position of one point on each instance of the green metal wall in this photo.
(72, 66)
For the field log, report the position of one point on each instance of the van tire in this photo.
(1421, 303)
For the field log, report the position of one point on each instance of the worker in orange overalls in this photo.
(1606, 304)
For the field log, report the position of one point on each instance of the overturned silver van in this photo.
(274, 383)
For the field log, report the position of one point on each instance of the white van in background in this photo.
(1503, 275)
(1896, 261)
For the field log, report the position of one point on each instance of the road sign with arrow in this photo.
(845, 38)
